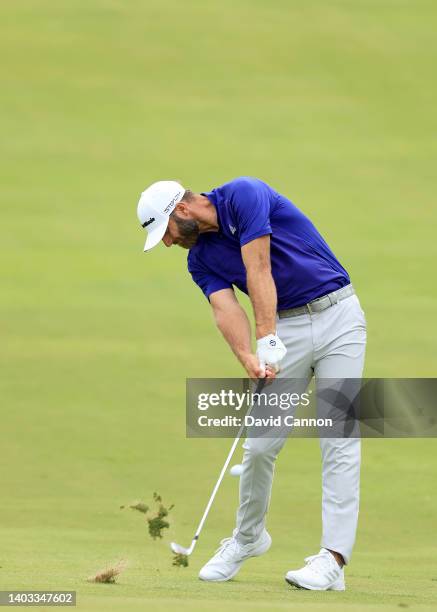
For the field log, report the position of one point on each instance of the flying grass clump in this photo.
(180, 560)
(138, 506)
(109, 574)
(155, 520)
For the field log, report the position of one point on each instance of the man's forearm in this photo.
(235, 327)
(262, 293)
(260, 284)
(232, 321)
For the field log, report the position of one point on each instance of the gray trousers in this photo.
(329, 344)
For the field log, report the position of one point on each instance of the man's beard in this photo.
(188, 231)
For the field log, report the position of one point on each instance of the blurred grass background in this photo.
(334, 105)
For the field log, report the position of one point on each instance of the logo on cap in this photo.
(146, 223)
(171, 205)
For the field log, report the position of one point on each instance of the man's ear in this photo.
(182, 210)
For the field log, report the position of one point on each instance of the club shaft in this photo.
(259, 387)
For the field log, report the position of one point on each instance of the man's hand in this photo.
(254, 369)
(270, 351)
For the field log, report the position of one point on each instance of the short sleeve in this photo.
(251, 207)
(206, 280)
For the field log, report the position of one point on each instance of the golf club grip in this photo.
(259, 388)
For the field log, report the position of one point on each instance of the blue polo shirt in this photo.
(303, 265)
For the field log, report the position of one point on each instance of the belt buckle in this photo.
(334, 296)
(310, 310)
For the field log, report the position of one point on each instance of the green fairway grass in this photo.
(333, 103)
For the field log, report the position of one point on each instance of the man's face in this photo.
(181, 231)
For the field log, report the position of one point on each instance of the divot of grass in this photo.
(109, 574)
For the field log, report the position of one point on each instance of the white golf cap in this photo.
(156, 204)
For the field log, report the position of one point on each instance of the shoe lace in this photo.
(228, 547)
(320, 563)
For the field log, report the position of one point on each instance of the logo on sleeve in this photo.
(272, 342)
(233, 229)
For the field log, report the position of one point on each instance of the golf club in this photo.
(181, 550)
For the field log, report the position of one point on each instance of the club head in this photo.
(179, 550)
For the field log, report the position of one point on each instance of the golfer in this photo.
(308, 321)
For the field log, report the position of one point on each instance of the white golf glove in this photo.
(270, 351)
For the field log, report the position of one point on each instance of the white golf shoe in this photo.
(228, 559)
(321, 573)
